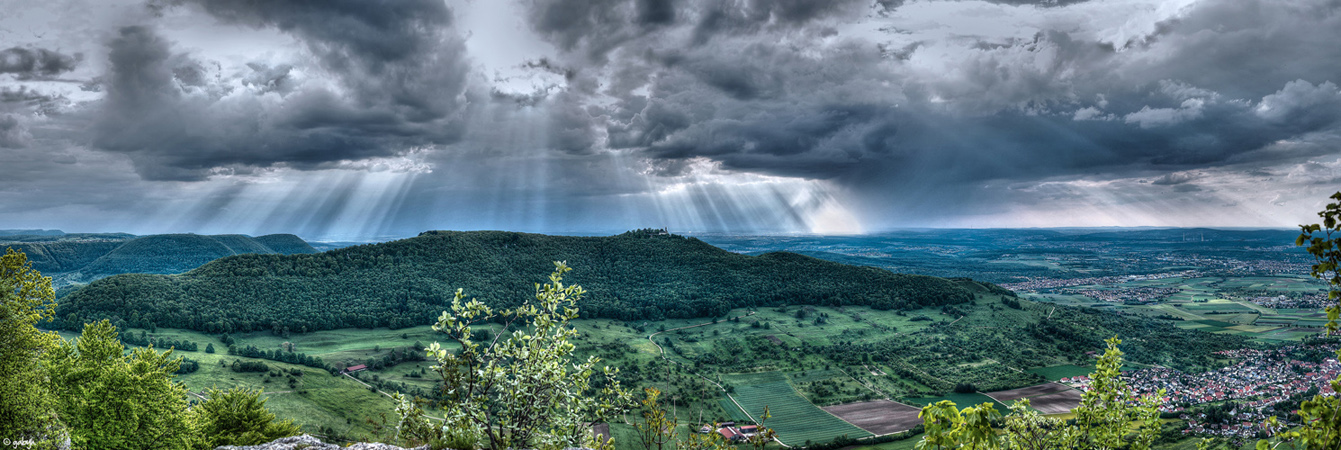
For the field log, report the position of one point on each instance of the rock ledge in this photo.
(307, 442)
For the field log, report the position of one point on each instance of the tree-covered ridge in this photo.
(175, 253)
(65, 256)
(86, 257)
(639, 275)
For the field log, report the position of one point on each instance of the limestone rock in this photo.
(307, 442)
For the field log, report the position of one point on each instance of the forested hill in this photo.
(637, 275)
(86, 257)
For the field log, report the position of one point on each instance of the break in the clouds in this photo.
(355, 119)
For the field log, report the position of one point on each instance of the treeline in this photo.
(143, 339)
(284, 356)
(397, 356)
(248, 366)
(642, 275)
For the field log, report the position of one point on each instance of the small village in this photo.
(1259, 380)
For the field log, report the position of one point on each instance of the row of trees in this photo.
(90, 393)
(302, 359)
(145, 340)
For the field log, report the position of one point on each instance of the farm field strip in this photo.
(1025, 392)
(961, 400)
(879, 417)
(1058, 403)
(1055, 373)
(794, 418)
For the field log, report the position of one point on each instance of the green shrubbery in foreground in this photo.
(89, 394)
(518, 390)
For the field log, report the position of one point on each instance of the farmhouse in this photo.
(352, 369)
(734, 434)
(731, 434)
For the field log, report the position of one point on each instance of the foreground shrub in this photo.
(236, 417)
(519, 389)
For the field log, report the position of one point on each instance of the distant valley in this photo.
(673, 312)
(817, 328)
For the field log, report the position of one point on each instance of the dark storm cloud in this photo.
(572, 128)
(390, 54)
(596, 27)
(12, 134)
(25, 96)
(1060, 104)
(890, 5)
(1042, 3)
(906, 108)
(656, 12)
(1248, 49)
(402, 70)
(36, 63)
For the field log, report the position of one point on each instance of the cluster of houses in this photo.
(730, 431)
(1248, 424)
(1314, 301)
(1260, 379)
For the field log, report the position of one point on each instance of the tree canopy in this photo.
(635, 276)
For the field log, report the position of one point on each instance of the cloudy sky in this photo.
(359, 119)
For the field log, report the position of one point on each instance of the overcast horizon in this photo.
(354, 121)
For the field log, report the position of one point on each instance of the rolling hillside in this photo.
(79, 258)
(642, 275)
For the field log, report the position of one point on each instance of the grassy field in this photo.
(795, 420)
(1055, 373)
(316, 401)
(905, 444)
(772, 344)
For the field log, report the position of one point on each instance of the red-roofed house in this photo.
(730, 434)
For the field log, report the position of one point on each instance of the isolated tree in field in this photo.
(26, 298)
(520, 389)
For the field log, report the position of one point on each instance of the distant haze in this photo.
(352, 120)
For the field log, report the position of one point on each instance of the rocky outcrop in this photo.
(307, 442)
